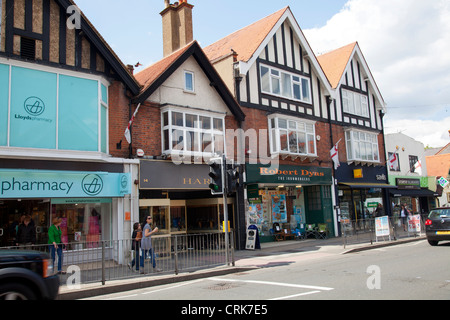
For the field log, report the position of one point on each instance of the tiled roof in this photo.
(147, 76)
(244, 41)
(444, 150)
(334, 63)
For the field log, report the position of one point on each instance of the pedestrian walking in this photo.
(146, 244)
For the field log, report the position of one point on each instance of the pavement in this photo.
(245, 260)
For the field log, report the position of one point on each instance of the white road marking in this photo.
(291, 285)
(173, 287)
(296, 295)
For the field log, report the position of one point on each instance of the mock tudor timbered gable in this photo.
(358, 101)
(358, 107)
(275, 68)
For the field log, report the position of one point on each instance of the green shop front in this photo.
(289, 196)
(88, 202)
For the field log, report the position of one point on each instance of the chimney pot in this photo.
(167, 3)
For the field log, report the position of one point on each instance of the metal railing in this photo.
(101, 261)
(364, 230)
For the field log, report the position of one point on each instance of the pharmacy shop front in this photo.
(290, 196)
(88, 203)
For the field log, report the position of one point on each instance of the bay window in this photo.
(292, 136)
(47, 108)
(285, 84)
(192, 133)
(362, 146)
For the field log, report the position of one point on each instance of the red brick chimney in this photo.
(177, 25)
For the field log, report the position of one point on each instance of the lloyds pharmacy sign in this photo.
(62, 184)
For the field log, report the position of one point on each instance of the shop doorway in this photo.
(319, 205)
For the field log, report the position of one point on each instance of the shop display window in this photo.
(13, 212)
(177, 218)
(83, 225)
(160, 215)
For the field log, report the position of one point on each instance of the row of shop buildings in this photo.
(260, 95)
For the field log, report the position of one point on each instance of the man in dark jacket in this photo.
(26, 233)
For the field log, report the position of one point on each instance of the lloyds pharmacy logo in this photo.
(124, 181)
(34, 106)
(92, 184)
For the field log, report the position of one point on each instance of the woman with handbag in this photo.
(136, 245)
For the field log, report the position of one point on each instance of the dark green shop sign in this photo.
(288, 174)
(408, 183)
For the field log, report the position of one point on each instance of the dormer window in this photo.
(189, 81)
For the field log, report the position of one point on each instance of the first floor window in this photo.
(195, 134)
(362, 146)
(292, 136)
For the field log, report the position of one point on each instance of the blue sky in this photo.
(405, 43)
(133, 27)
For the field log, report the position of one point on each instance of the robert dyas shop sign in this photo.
(62, 184)
(284, 174)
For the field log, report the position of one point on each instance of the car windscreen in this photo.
(440, 213)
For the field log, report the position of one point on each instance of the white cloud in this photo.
(432, 133)
(406, 44)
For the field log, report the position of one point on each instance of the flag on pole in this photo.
(127, 130)
(418, 168)
(393, 161)
(334, 153)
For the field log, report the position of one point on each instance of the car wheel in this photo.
(16, 291)
(433, 242)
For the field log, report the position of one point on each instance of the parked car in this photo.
(27, 275)
(438, 226)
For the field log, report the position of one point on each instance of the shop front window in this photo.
(12, 214)
(84, 224)
(177, 218)
(203, 217)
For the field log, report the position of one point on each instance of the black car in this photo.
(438, 225)
(27, 275)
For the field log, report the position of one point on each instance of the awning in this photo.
(413, 193)
(362, 185)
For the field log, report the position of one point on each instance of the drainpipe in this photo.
(387, 207)
(335, 187)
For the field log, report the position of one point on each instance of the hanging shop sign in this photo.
(288, 174)
(62, 184)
